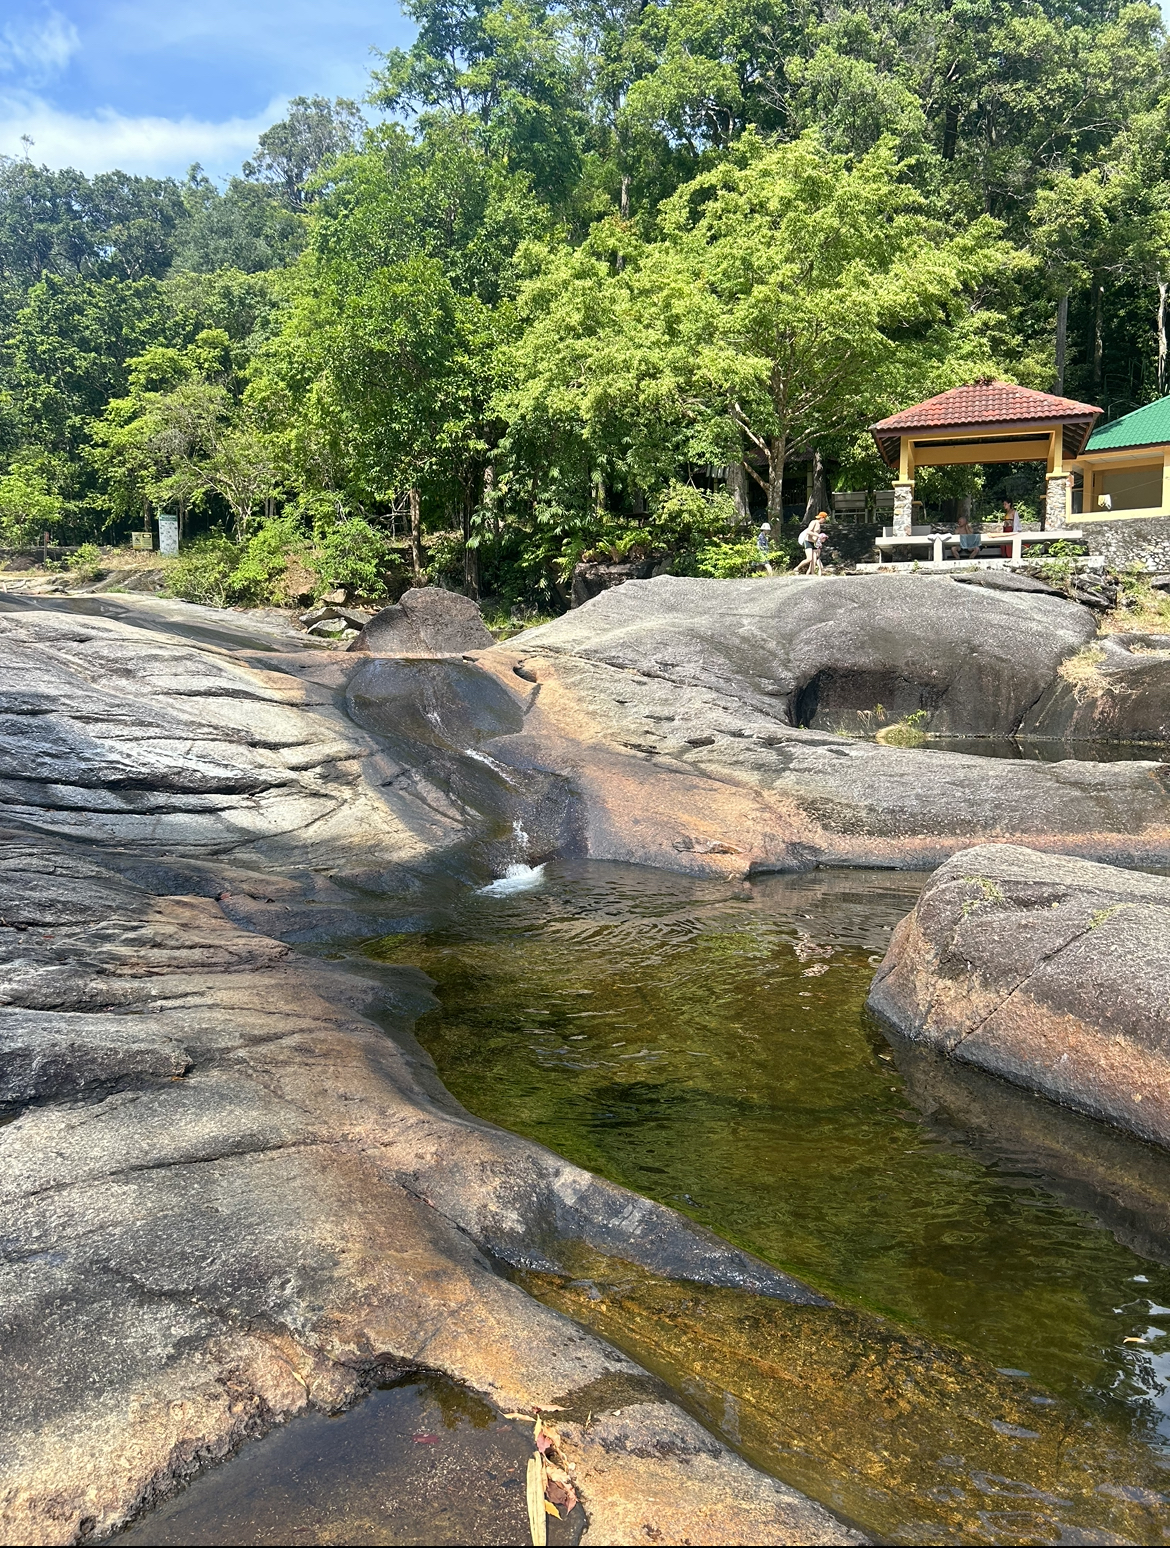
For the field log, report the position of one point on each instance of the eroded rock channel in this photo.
(235, 1186)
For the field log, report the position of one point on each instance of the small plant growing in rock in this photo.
(989, 892)
(1083, 673)
(909, 732)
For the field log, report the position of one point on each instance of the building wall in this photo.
(1133, 489)
(1138, 540)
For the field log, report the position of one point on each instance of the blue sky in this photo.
(151, 87)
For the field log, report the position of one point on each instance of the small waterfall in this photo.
(517, 877)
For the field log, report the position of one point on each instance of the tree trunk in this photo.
(1161, 337)
(416, 550)
(624, 206)
(777, 456)
(489, 489)
(1061, 342)
(1098, 335)
(737, 488)
(470, 555)
(820, 496)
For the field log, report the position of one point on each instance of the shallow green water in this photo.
(706, 1043)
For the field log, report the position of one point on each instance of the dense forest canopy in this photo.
(588, 279)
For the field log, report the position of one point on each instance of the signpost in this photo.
(168, 534)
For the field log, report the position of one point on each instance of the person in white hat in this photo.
(763, 543)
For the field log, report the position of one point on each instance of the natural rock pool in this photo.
(705, 1043)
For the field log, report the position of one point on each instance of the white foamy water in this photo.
(517, 878)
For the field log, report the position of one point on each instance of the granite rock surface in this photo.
(1051, 972)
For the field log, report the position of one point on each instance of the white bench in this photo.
(937, 540)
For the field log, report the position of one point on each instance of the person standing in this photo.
(812, 540)
(764, 543)
(1011, 517)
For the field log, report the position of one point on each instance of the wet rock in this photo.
(237, 1197)
(1051, 972)
(641, 1471)
(1121, 693)
(426, 621)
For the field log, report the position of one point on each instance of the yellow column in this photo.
(1166, 482)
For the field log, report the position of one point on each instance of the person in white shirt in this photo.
(812, 540)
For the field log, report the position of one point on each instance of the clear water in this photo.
(419, 1461)
(706, 1043)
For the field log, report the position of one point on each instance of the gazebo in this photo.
(986, 422)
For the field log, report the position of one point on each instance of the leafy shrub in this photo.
(27, 507)
(260, 573)
(732, 561)
(1059, 566)
(86, 562)
(350, 553)
(203, 572)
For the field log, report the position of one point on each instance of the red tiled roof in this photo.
(995, 403)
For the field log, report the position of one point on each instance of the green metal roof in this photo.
(1149, 426)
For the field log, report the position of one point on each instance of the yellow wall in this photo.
(1132, 488)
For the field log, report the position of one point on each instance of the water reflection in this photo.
(706, 1043)
(1050, 752)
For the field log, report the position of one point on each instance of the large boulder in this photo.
(836, 653)
(668, 707)
(1051, 972)
(425, 621)
(229, 1196)
(1115, 689)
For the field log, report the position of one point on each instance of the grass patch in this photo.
(1140, 608)
(1083, 673)
(904, 733)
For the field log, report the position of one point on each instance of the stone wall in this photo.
(1136, 540)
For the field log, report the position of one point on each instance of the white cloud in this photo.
(106, 139)
(38, 50)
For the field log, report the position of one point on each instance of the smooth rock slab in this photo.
(1049, 971)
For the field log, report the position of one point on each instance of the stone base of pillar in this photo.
(903, 509)
(1058, 501)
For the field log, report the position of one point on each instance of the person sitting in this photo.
(969, 538)
(812, 540)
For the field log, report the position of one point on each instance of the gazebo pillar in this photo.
(904, 488)
(1058, 497)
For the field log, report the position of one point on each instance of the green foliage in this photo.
(86, 561)
(352, 554)
(203, 572)
(731, 561)
(28, 507)
(593, 256)
(1059, 565)
(262, 561)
